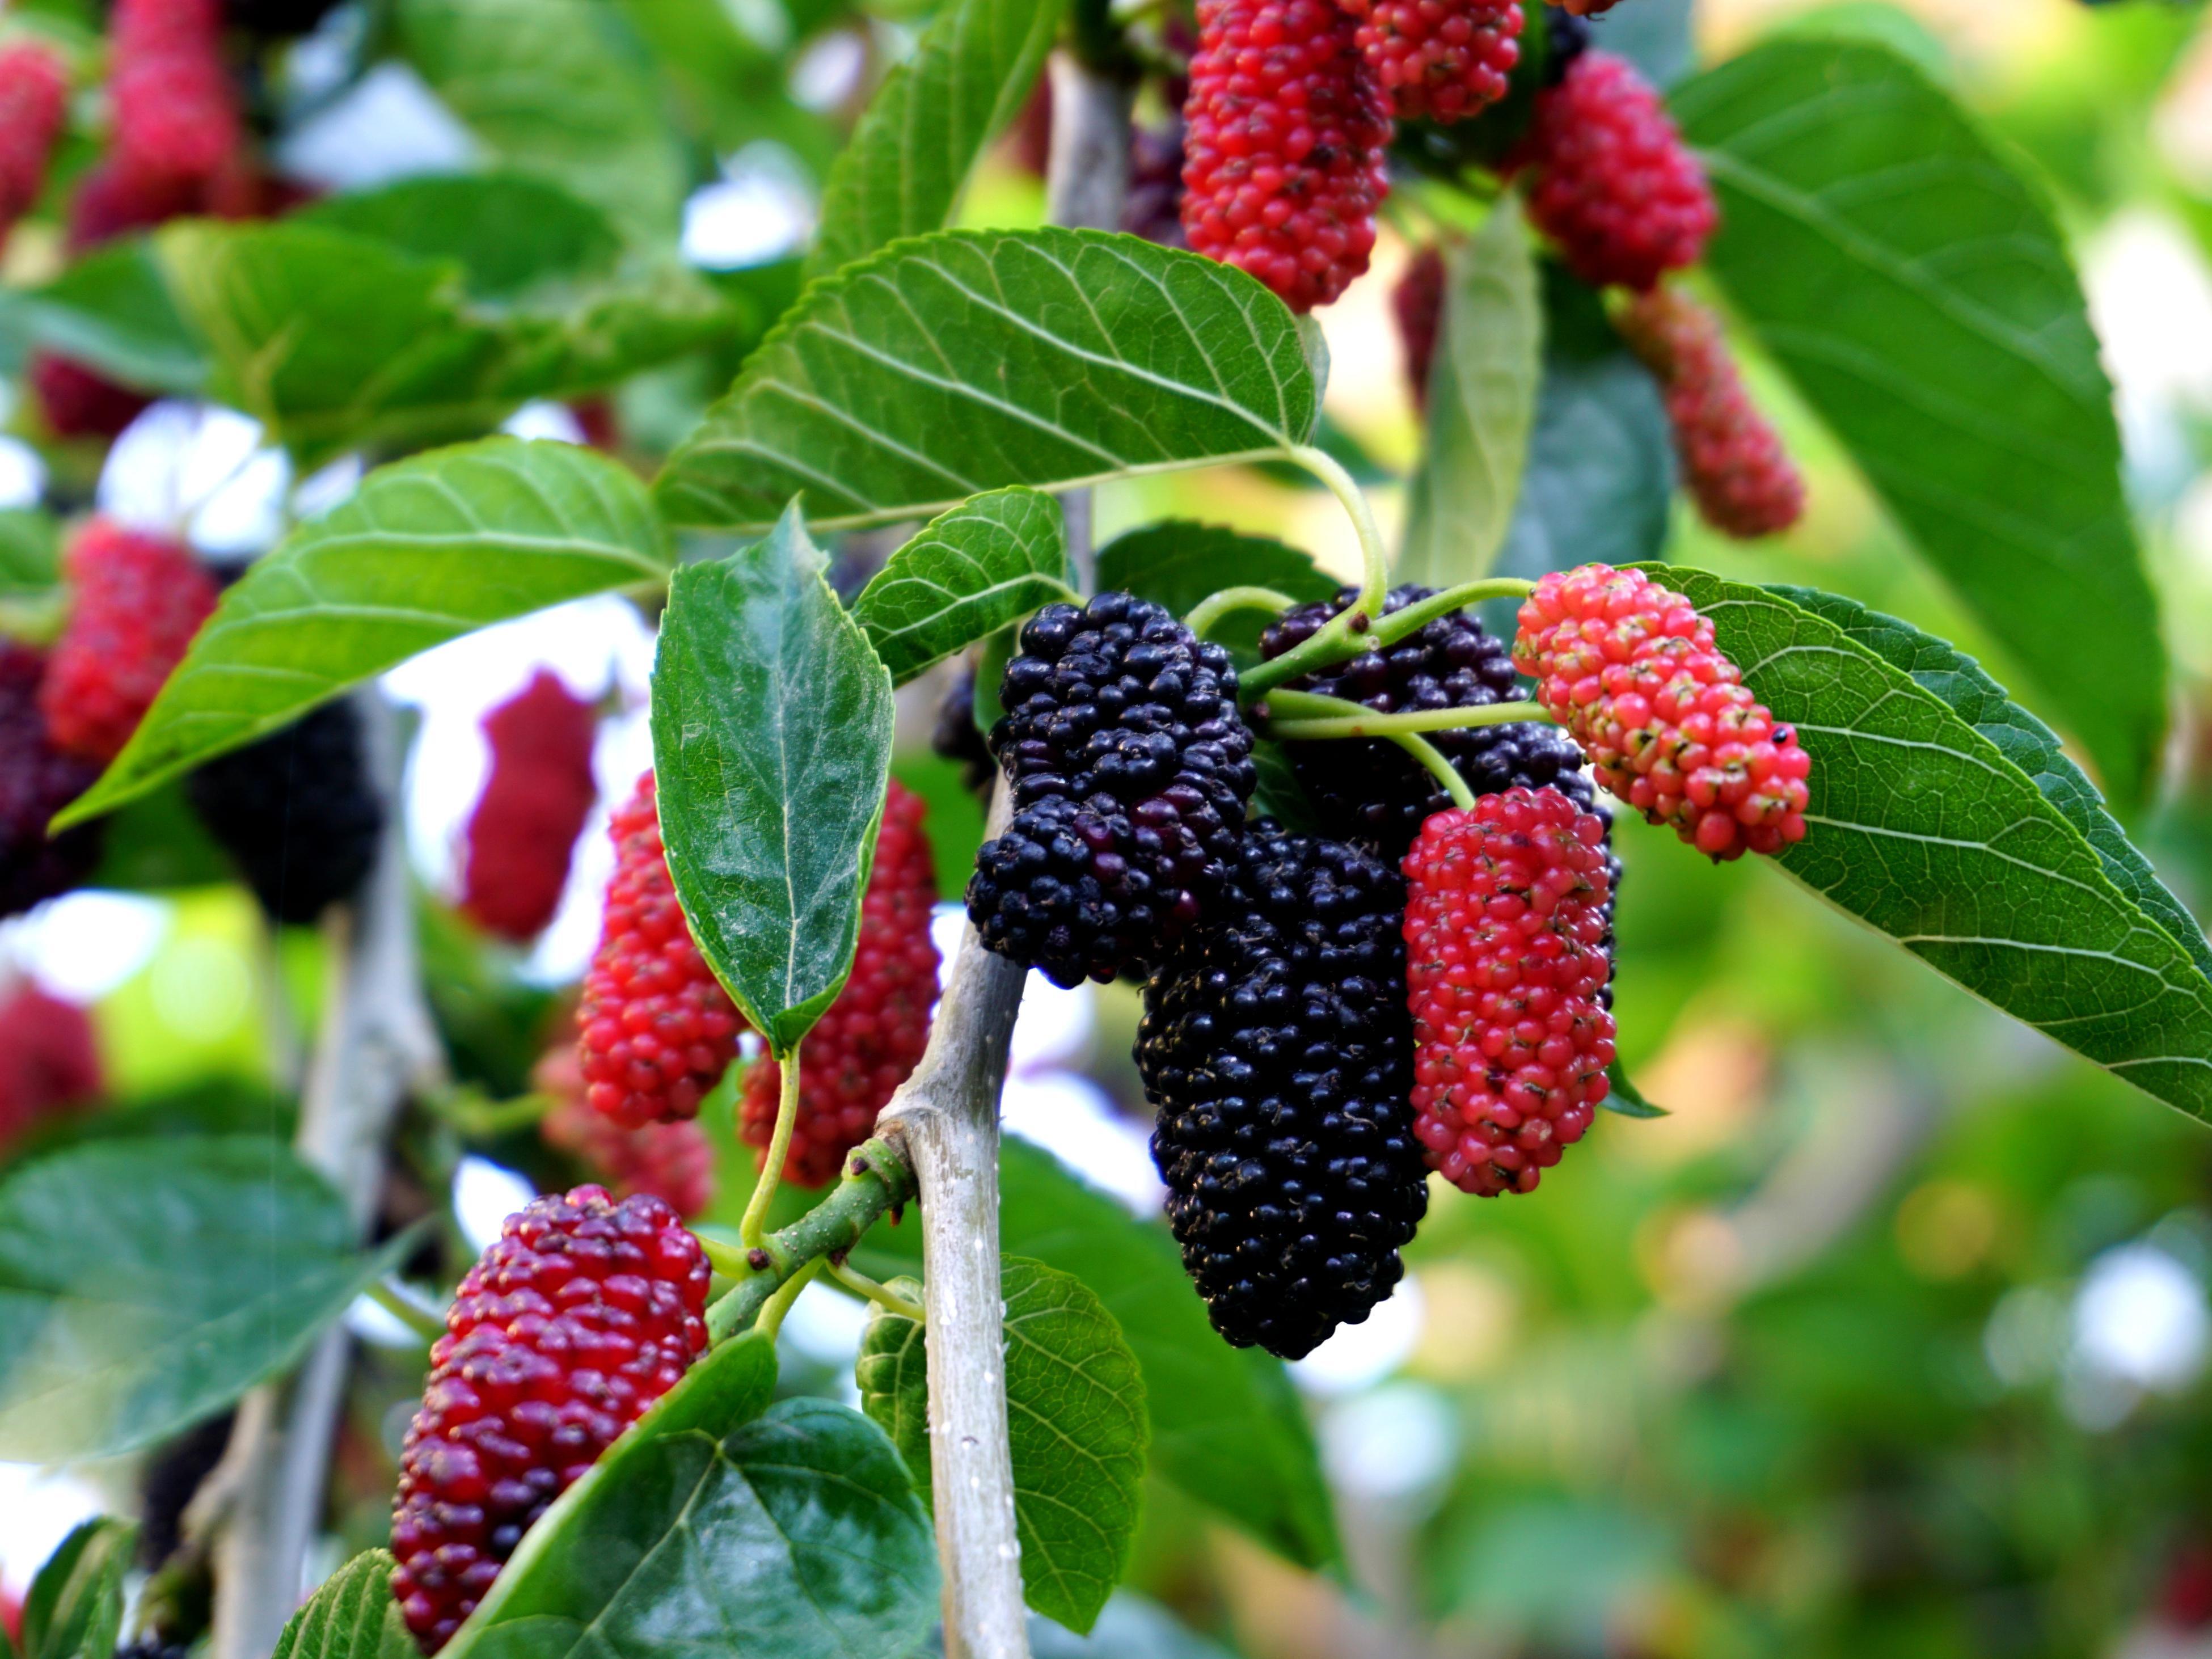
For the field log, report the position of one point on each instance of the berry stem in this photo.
(727, 1259)
(881, 1294)
(1311, 715)
(754, 1227)
(1213, 608)
(1433, 760)
(877, 1177)
(771, 1315)
(1389, 630)
(1375, 582)
(418, 1315)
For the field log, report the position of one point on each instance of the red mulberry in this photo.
(581, 1316)
(176, 116)
(33, 98)
(656, 1028)
(872, 1037)
(1611, 180)
(36, 782)
(674, 1162)
(1504, 962)
(1631, 670)
(49, 1060)
(534, 805)
(1439, 60)
(1284, 135)
(135, 603)
(1417, 303)
(1733, 461)
(77, 402)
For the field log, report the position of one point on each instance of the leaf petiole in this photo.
(881, 1294)
(877, 1177)
(754, 1227)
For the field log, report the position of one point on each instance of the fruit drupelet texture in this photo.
(1285, 133)
(870, 1038)
(536, 798)
(1633, 671)
(1277, 1048)
(1129, 767)
(136, 601)
(296, 812)
(1505, 932)
(175, 115)
(656, 1030)
(1439, 60)
(582, 1314)
(33, 99)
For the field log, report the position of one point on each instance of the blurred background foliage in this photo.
(1892, 1339)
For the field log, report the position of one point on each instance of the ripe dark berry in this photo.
(872, 1037)
(539, 792)
(77, 402)
(36, 782)
(1286, 131)
(296, 811)
(655, 1029)
(1418, 304)
(1505, 927)
(135, 603)
(1277, 1046)
(1631, 670)
(279, 18)
(955, 736)
(1586, 8)
(175, 114)
(1153, 207)
(1439, 60)
(1612, 182)
(1733, 461)
(582, 1315)
(674, 1162)
(1130, 768)
(33, 98)
(1371, 790)
(49, 1060)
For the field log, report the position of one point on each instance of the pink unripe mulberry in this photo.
(136, 601)
(534, 803)
(33, 98)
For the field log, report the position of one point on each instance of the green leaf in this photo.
(112, 311)
(1601, 476)
(967, 360)
(30, 552)
(426, 551)
(1076, 1423)
(1625, 1099)
(1176, 563)
(509, 232)
(716, 1526)
(1938, 667)
(771, 743)
(559, 87)
(1226, 1426)
(1483, 380)
(352, 1616)
(1917, 291)
(989, 562)
(1923, 827)
(75, 1608)
(334, 338)
(147, 1283)
(911, 154)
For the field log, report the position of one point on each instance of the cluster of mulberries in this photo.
(33, 98)
(535, 800)
(1738, 474)
(1284, 134)
(655, 1029)
(1610, 179)
(1439, 60)
(582, 1314)
(1631, 670)
(1277, 1046)
(1505, 940)
(296, 811)
(136, 601)
(49, 1060)
(1371, 790)
(1129, 767)
(37, 780)
(871, 1037)
(175, 115)
(671, 1162)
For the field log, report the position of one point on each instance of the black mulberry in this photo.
(36, 782)
(956, 737)
(296, 812)
(1278, 1046)
(1130, 768)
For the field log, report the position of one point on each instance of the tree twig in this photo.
(377, 1042)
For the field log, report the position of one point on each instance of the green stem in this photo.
(726, 1260)
(772, 1312)
(403, 1305)
(1213, 608)
(878, 1176)
(882, 1295)
(754, 1227)
(1389, 630)
(1359, 628)
(1439, 768)
(1342, 634)
(1312, 717)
